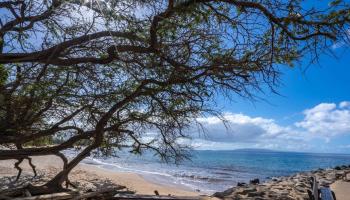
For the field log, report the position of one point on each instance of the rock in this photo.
(245, 191)
(300, 189)
(254, 181)
(240, 184)
(256, 194)
(295, 187)
(325, 183)
(339, 175)
(224, 193)
(347, 177)
(301, 184)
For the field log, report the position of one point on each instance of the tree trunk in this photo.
(57, 181)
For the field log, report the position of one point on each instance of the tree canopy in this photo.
(108, 74)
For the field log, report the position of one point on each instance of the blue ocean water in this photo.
(210, 171)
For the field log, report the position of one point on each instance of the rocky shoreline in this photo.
(295, 187)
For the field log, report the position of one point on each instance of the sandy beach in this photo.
(341, 190)
(86, 176)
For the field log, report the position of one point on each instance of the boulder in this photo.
(224, 193)
(240, 184)
(254, 181)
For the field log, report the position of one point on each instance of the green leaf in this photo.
(3, 74)
(335, 2)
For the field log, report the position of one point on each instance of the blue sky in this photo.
(311, 114)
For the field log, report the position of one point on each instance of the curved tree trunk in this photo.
(55, 184)
(58, 180)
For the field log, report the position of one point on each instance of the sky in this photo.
(311, 113)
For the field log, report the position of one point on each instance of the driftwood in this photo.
(108, 193)
(7, 193)
(147, 197)
(104, 193)
(54, 196)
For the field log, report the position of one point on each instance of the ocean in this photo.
(211, 171)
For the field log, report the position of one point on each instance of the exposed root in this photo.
(20, 170)
(69, 183)
(65, 163)
(19, 161)
(32, 165)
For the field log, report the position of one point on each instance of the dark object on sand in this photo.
(255, 181)
(239, 184)
(156, 192)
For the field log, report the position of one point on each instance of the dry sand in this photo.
(341, 190)
(86, 176)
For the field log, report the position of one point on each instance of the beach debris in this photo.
(156, 192)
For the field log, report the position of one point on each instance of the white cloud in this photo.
(315, 132)
(324, 121)
(344, 104)
(327, 119)
(242, 131)
(240, 128)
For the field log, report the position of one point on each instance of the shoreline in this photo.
(86, 176)
(149, 176)
(93, 177)
(139, 183)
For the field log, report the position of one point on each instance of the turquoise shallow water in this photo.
(211, 171)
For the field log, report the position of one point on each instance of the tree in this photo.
(106, 73)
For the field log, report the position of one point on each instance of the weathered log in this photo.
(13, 191)
(55, 196)
(108, 192)
(147, 197)
(3, 197)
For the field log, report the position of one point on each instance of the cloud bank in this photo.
(323, 122)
